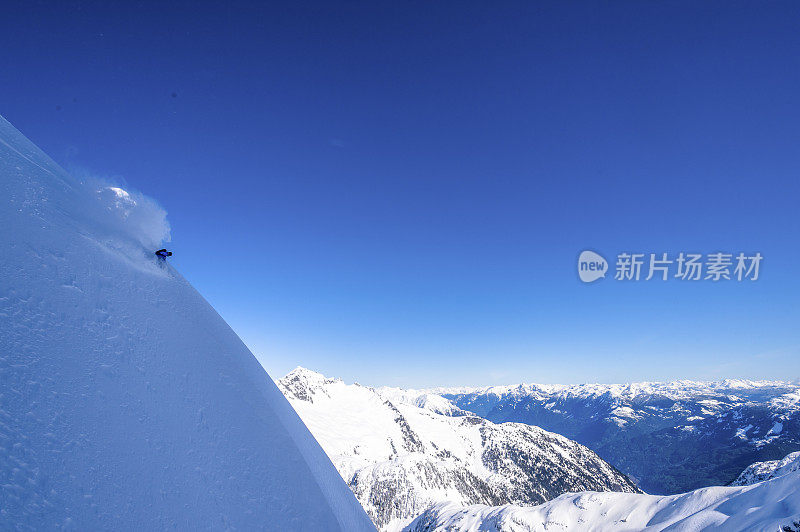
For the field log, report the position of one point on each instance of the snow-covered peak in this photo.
(303, 383)
(438, 404)
(422, 399)
(305, 374)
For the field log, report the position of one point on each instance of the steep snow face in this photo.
(402, 451)
(670, 437)
(761, 471)
(768, 506)
(126, 401)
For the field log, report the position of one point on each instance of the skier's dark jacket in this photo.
(163, 254)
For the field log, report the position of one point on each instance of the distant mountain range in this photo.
(402, 452)
(668, 437)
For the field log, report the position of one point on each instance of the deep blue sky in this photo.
(396, 193)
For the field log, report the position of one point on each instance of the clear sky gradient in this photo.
(397, 193)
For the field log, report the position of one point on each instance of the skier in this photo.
(162, 254)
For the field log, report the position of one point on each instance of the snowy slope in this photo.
(771, 506)
(671, 437)
(761, 471)
(403, 451)
(126, 401)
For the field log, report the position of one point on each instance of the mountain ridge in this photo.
(764, 506)
(402, 452)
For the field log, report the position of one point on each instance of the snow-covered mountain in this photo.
(761, 471)
(773, 505)
(669, 437)
(126, 402)
(403, 451)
